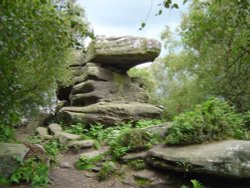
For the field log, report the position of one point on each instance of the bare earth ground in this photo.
(69, 177)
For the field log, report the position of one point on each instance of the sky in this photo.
(124, 17)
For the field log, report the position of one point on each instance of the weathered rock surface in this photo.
(122, 52)
(9, 153)
(82, 144)
(43, 133)
(55, 128)
(66, 137)
(133, 156)
(91, 92)
(95, 153)
(108, 113)
(160, 130)
(230, 159)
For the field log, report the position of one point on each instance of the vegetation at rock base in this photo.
(108, 168)
(87, 163)
(214, 119)
(31, 171)
(137, 164)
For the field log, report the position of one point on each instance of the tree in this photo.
(36, 41)
(211, 58)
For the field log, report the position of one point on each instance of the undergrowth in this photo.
(212, 120)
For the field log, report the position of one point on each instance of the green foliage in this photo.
(53, 147)
(137, 164)
(212, 120)
(6, 133)
(196, 184)
(133, 140)
(108, 168)
(142, 182)
(36, 43)
(32, 171)
(76, 129)
(4, 182)
(87, 163)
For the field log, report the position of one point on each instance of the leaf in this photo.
(185, 1)
(143, 24)
(175, 6)
(159, 13)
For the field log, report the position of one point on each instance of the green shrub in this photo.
(133, 140)
(108, 168)
(137, 164)
(87, 163)
(32, 171)
(76, 129)
(6, 133)
(212, 120)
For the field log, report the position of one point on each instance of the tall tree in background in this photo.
(36, 41)
(211, 58)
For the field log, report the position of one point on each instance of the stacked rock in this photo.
(103, 92)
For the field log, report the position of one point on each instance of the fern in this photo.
(197, 184)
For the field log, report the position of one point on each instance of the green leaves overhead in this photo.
(37, 38)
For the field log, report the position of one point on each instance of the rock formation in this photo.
(228, 159)
(102, 91)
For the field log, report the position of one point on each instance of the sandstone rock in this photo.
(122, 52)
(230, 159)
(82, 144)
(95, 153)
(93, 71)
(160, 130)
(43, 133)
(66, 137)
(133, 156)
(55, 128)
(9, 153)
(91, 92)
(108, 113)
(41, 120)
(61, 104)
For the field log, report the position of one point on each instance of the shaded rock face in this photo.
(102, 90)
(9, 153)
(229, 159)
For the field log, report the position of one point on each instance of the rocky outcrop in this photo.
(122, 53)
(230, 159)
(10, 157)
(108, 113)
(102, 91)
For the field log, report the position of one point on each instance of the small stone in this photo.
(95, 153)
(55, 128)
(43, 132)
(66, 137)
(65, 165)
(82, 144)
(133, 156)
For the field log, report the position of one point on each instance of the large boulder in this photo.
(108, 113)
(10, 155)
(122, 90)
(122, 53)
(229, 159)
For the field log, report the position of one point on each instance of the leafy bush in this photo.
(87, 163)
(212, 120)
(32, 171)
(108, 168)
(6, 133)
(76, 129)
(133, 140)
(137, 164)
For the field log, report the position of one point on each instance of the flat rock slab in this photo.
(64, 137)
(133, 156)
(95, 153)
(55, 128)
(108, 113)
(122, 52)
(82, 144)
(9, 153)
(230, 159)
